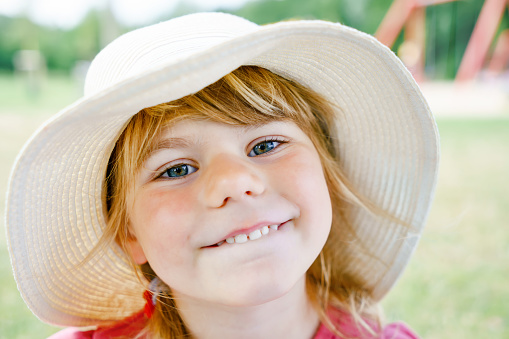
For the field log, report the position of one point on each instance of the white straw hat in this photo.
(55, 208)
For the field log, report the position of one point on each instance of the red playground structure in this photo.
(411, 15)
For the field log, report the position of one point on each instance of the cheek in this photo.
(176, 204)
(304, 176)
(160, 206)
(161, 222)
(307, 188)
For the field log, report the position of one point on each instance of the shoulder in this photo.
(398, 330)
(127, 327)
(348, 327)
(72, 333)
(391, 331)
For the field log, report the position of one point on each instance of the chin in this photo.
(256, 291)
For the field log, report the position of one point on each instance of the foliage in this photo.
(61, 48)
(449, 27)
(361, 14)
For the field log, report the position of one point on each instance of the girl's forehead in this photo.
(196, 127)
(187, 133)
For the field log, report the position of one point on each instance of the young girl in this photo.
(225, 180)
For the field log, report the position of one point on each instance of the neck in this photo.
(290, 316)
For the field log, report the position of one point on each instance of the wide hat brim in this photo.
(387, 141)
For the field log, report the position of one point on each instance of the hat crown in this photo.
(146, 48)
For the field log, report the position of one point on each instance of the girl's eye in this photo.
(264, 147)
(178, 171)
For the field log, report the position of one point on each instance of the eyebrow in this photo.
(172, 143)
(168, 143)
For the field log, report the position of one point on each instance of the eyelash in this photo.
(267, 140)
(167, 169)
(278, 140)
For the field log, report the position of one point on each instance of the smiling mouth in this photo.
(245, 237)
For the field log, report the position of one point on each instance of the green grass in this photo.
(21, 112)
(456, 285)
(28, 96)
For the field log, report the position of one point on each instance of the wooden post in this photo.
(500, 57)
(394, 20)
(410, 14)
(480, 41)
(415, 36)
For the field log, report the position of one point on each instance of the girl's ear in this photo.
(136, 250)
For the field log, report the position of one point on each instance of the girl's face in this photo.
(230, 215)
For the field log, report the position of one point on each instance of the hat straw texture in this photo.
(387, 141)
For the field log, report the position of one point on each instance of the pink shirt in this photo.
(132, 325)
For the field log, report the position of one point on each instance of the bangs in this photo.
(247, 96)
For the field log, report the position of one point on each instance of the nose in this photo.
(228, 179)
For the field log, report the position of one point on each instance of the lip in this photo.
(247, 230)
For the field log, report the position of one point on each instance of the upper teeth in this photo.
(242, 238)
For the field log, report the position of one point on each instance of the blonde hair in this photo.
(248, 96)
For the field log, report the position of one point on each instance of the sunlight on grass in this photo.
(50, 93)
(21, 113)
(456, 284)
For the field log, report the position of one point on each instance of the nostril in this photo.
(225, 201)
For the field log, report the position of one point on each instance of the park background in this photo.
(456, 285)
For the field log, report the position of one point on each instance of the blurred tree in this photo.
(9, 43)
(57, 47)
(267, 11)
(449, 27)
(16, 34)
(364, 15)
(86, 37)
